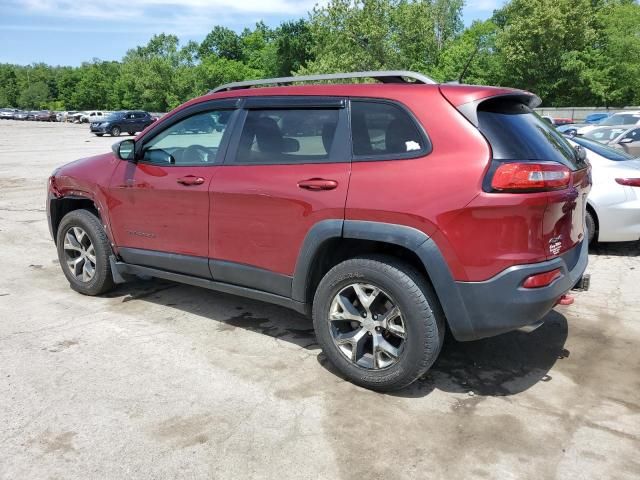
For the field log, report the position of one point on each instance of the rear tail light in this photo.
(544, 279)
(629, 182)
(530, 177)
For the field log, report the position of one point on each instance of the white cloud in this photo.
(188, 17)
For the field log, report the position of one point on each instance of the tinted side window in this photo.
(634, 134)
(384, 129)
(192, 141)
(287, 136)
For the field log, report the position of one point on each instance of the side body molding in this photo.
(424, 247)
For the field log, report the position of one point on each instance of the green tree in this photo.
(538, 55)
(382, 34)
(294, 47)
(474, 51)
(9, 90)
(35, 95)
(221, 42)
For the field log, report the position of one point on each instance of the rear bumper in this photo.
(501, 304)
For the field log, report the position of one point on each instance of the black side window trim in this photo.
(294, 102)
(340, 150)
(423, 152)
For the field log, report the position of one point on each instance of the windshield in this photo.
(607, 152)
(604, 134)
(624, 119)
(114, 116)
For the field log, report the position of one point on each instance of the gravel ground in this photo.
(159, 380)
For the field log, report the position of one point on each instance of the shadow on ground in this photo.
(616, 249)
(498, 366)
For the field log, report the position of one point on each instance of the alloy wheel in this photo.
(80, 254)
(367, 326)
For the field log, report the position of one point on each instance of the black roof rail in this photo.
(384, 76)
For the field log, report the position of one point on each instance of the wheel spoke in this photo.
(75, 265)
(397, 329)
(91, 254)
(365, 299)
(79, 234)
(343, 309)
(381, 346)
(70, 243)
(356, 340)
(87, 271)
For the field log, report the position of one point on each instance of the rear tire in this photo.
(591, 228)
(83, 252)
(131, 133)
(391, 337)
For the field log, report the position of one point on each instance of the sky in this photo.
(68, 32)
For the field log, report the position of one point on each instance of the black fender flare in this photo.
(415, 240)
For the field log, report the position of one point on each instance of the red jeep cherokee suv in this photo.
(385, 211)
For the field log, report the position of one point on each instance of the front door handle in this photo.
(189, 180)
(316, 184)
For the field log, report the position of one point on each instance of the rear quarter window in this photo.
(383, 130)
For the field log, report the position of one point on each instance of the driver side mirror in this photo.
(125, 150)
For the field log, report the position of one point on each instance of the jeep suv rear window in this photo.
(516, 133)
(385, 130)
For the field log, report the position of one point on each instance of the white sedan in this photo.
(613, 205)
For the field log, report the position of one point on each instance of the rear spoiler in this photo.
(466, 99)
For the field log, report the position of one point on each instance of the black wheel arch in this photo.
(57, 208)
(331, 241)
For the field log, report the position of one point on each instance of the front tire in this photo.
(83, 252)
(115, 131)
(378, 321)
(99, 134)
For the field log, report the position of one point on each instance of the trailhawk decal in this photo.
(555, 245)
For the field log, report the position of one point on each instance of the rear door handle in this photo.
(316, 184)
(189, 180)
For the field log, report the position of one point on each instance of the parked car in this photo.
(617, 119)
(31, 115)
(45, 116)
(595, 118)
(557, 121)
(66, 116)
(20, 115)
(613, 205)
(92, 116)
(627, 139)
(75, 117)
(354, 204)
(570, 129)
(8, 113)
(130, 121)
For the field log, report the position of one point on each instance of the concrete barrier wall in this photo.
(578, 113)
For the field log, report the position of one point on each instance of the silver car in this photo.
(613, 205)
(627, 139)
